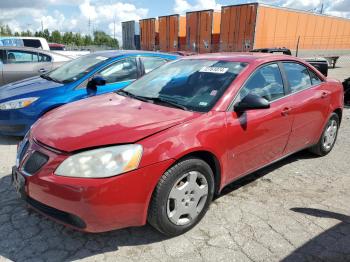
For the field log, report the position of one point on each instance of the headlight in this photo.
(18, 103)
(104, 162)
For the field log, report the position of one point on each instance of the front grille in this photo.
(35, 162)
(59, 215)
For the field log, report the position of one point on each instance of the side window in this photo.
(265, 82)
(122, 70)
(2, 53)
(18, 57)
(298, 76)
(35, 43)
(315, 80)
(150, 63)
(44, 58)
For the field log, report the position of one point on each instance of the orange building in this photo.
(248, 26)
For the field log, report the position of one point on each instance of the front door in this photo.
(258, 137)
(117, 75)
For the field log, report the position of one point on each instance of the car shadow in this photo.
(331, 245)
(249, 179)
(9, 140)
(26, 235)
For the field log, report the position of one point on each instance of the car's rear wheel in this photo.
(182, 197)
(328, 137)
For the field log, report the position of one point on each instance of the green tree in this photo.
(27, 33)
(56, 37)
(5, 30)
(87, 40)
(67, 38)
(78, 40)
(46, 34)
(101, 38)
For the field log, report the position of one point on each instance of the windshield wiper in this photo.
(126, 93)
(154, 100)
(49, 78)
(167, 102)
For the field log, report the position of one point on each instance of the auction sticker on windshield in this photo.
(213, 69)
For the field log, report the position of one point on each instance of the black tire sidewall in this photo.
(164, 223)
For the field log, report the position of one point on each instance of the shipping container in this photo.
(237, 27)
(254, 26)
(131, 35)
(203, 31)
(149, 34)
(283, 27)
(172, 28)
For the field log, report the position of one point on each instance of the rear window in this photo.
(195, 84)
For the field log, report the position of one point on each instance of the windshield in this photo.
(194, 84)
(75, 69)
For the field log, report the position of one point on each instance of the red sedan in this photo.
(161, 148)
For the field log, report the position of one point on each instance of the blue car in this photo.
(23, 102)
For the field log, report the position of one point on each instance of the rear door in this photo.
(45, 63)
(258, 137)
(310, 107)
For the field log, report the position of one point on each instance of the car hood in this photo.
(105, 120)
(26, 86)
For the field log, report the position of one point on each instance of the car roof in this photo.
(114, 53)
(25, 49)
(31, 49)
(244, 57)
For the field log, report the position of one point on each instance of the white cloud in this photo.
(110, 16)
(102, 16)
(182, 6)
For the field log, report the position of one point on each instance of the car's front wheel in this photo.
(328, 137)
(182, 197)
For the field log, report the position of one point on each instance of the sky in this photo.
(107, 15)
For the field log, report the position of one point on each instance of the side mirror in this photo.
(93, 83)
(251, 102)
(96, 81)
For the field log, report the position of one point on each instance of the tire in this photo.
(181, 189)
(320, 148)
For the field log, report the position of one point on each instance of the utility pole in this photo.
(42, 26)
(114, 29)
(322, 5)
(89, 25)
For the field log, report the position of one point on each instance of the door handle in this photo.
(42, 70)
(286, 111)
(324, 94)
